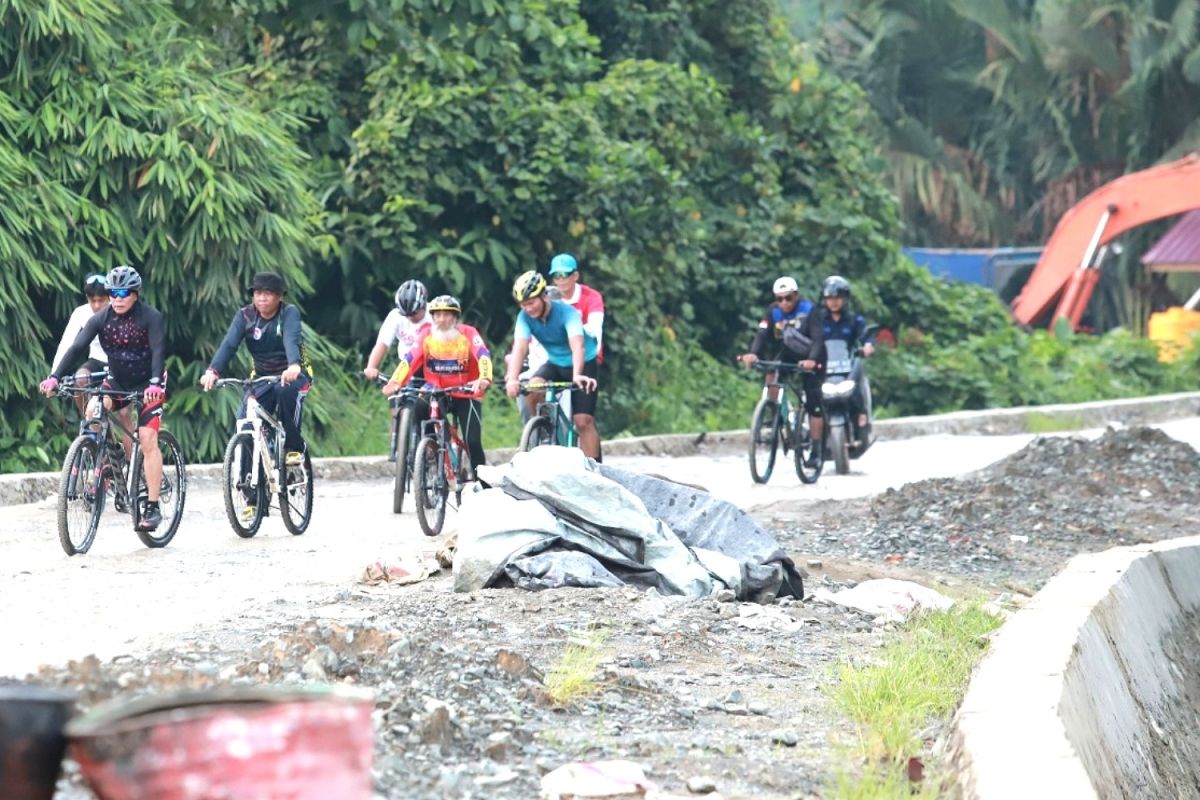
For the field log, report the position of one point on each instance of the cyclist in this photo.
(96, 292)
(571, 353)
(272, 332)
(131, 333)
(403, 325)
(451, 354)
(564, 272)
(794, 332)
(527, 404)
(838, 322)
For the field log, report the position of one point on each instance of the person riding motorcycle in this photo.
(792, 327)
(840, 323)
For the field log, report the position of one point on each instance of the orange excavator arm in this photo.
(1066, 270)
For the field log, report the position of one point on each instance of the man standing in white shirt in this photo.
(96, 291)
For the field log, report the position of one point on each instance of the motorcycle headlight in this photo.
(837, 389)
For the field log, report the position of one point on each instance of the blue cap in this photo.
(563, 264)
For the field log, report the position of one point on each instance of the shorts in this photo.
(149, 414)
(581, 402)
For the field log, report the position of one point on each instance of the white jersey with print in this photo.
(79, 318)
(400, 329)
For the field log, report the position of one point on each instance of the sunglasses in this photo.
(559, 275)
(120, 292)
(787, 298)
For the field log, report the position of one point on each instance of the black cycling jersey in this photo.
(273, 343)
(134, 341)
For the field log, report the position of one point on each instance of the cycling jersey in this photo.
(134, 342)
(459, 358)
(555, 331)
(274, 343)
(404, 332)
(79, 318)
(775, 321)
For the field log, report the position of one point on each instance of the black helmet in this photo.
(835, 286)
(123, 277)
(445, 302)
(267, 282)
(410, 297)
(95, 285)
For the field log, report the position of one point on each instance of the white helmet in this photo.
(785, 285)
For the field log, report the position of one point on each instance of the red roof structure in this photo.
(1179, 248)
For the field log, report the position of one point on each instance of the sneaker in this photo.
(814, 459)
(151, 519)
(294, 458)
(248, 513)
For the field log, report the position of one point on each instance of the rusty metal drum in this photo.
(233, 743)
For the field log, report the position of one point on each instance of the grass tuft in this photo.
(918, 678)
(574, 675)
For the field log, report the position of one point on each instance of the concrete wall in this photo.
(32, 486)
(1093, 689)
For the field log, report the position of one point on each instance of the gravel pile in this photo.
(1020, 520)
(712, 693)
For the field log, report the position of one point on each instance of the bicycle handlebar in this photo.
(529, 385)
(65, 389)
(779, 366)
(247, 381)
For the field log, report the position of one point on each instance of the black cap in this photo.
(268, 282)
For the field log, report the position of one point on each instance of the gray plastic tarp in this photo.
(555, 518)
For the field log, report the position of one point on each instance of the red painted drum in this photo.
(234, 743)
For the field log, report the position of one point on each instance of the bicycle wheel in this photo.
(296, 494)
(804, 446)
(429, 492)
(171, 494)
(80, 496)
(404, 457)
(245, 506)
(764, 439)
(538, 431)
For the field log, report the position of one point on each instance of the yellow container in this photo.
(1172, 331)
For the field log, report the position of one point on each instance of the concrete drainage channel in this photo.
(1091, 691)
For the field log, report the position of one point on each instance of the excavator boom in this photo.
(1064, 273)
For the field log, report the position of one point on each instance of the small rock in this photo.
(759, 709)
(735, 696)
(784, 737)
(726, 596)
(814, 563)
(701, 785)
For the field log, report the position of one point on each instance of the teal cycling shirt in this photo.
(555, 331)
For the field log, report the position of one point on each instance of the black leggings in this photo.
(468, 415)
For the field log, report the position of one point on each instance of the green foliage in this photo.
(124, 145)
(1013, 368)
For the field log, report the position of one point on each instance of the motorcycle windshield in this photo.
(837, 357)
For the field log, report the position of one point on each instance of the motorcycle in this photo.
(844, 439)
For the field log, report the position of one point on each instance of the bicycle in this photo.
(96, 464)
(774, 422)
(402, 441)
(550, 424)
(255, 469)
(440, 464)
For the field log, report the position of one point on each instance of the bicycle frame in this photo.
(564, 427)
(100, 428)
(447, 436)
(259, 421)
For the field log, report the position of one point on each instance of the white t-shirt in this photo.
(400, 329)
(79, 318)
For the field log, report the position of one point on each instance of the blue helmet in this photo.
(562, 264)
